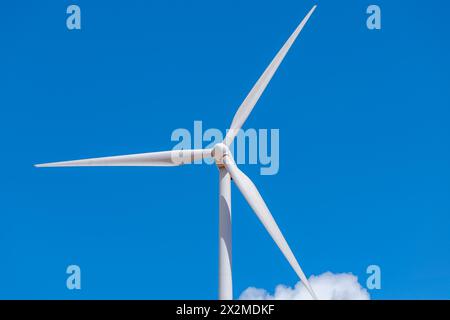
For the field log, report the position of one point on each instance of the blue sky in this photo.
(364, 145)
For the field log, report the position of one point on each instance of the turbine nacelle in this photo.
(221, 153)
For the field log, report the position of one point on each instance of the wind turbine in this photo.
(228, 171)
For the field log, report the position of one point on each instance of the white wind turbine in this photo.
(227, 171)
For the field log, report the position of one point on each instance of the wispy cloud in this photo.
(328, 286)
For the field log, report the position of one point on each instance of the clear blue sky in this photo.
(365, 159)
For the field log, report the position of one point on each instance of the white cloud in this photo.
(327, 286)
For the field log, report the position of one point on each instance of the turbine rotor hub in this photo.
(220, 152)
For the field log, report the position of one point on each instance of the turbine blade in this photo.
(252, 98)
(156, 159)
(256, 202)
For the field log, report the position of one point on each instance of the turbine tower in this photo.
(228, 171)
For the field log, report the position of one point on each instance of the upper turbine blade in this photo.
(256, 92)
(162, 159)
(253, 197)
